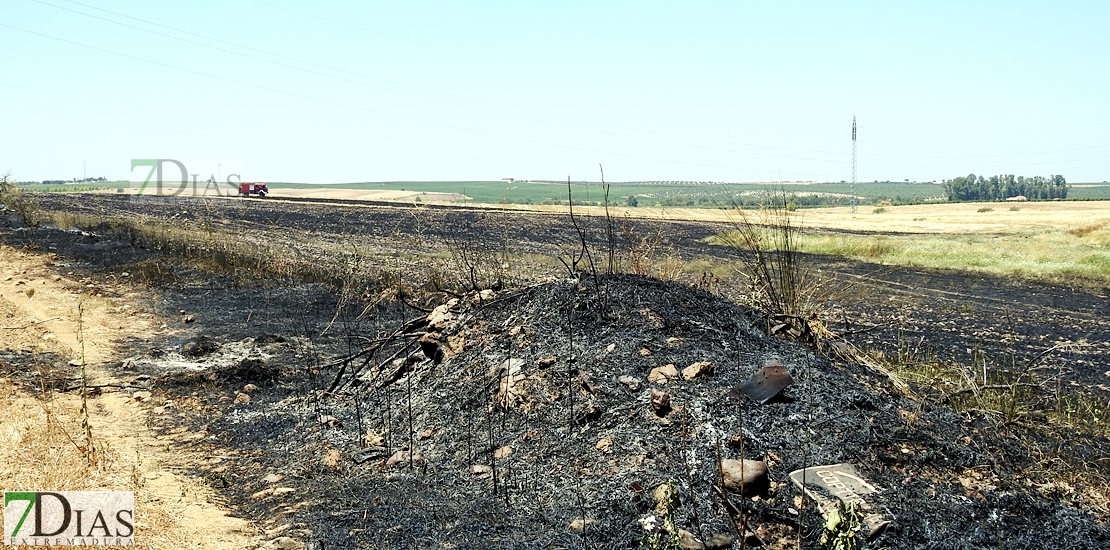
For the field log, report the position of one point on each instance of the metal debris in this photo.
(767, 382)
(840, 482)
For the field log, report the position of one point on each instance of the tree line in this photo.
(979, 188)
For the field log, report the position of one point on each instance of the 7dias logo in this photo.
(74, 518)
(171, 178)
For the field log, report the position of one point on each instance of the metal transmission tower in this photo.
(853, 164)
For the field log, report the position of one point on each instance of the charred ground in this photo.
(948, 480)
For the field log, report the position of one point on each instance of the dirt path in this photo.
(43, 310)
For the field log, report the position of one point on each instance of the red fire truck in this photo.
(248, 188)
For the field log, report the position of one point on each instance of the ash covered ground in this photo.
(528, 420)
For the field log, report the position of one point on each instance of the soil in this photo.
(255, 424)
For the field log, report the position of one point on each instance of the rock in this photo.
(632, 382)
(480, 470)
(242, 398)
(664, 374)
(688, 541)
(697, 369)
(675, 341)
(666, 499)
(249, 388)
(503, 452)
(49, 336)
(723, 542)
(141, 396)
(373, 439)
(273, 478)
(328, 420)
(438, 318)
(435, 347)
(545, 362)
(30, 293)
(427, 434)
(744, 476)
(332, 457)
(189, 319)
(581, 523)
(645, 352)
(402, 457)
(660, 402)
(605, 444)
(285, 543)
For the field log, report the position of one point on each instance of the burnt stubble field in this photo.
(412, 377)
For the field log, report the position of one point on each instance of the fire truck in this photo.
(248, 188)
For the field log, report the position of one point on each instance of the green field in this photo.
(646, 194)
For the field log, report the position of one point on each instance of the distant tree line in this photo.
(979, 188)
(74, 180)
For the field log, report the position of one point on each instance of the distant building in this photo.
(508, 180)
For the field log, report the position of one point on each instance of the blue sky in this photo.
(703, 91)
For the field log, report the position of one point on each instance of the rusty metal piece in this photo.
(767, 382)
(827, 484)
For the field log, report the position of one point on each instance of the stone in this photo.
(328, 420)
(141, 396)
(402, 457)
(605, 445)
(631, 382)
(249, 388)
(435, 347)
(242, 398)
(503, 452)
(427, 434)
(688, 541)
(480, 470)
(744, 476)
(664, 374)
(697, 369)
(580, 523)
(545, 362)
(438, 318)
(660, 402)
(189, 319)
(285, 543)
(273, 478)
(645, 352)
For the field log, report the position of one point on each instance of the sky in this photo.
(731, 91)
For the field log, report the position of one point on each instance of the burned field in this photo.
(549, 410)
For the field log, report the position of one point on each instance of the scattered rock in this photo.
(249, 388)
(744, 476)
(285, 543)
(427, 434)
(189, 319)
(141, 396)
(480, 470)
(48, 336)
(403, 457)
(666, 499)
(435, 347)
(328, 420)
(675, 341)
(332, 457)
(545, 362)
(660, 402)
(373, 439)
(605, 444)
(688, 541)
(503, 452)
(269, 339)
(438, 318)
(581, 523)
(664, 374)
(697, 369)
(273, 478)
(30, 293)
(645, 352)
(632, 382)
(242, 398)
